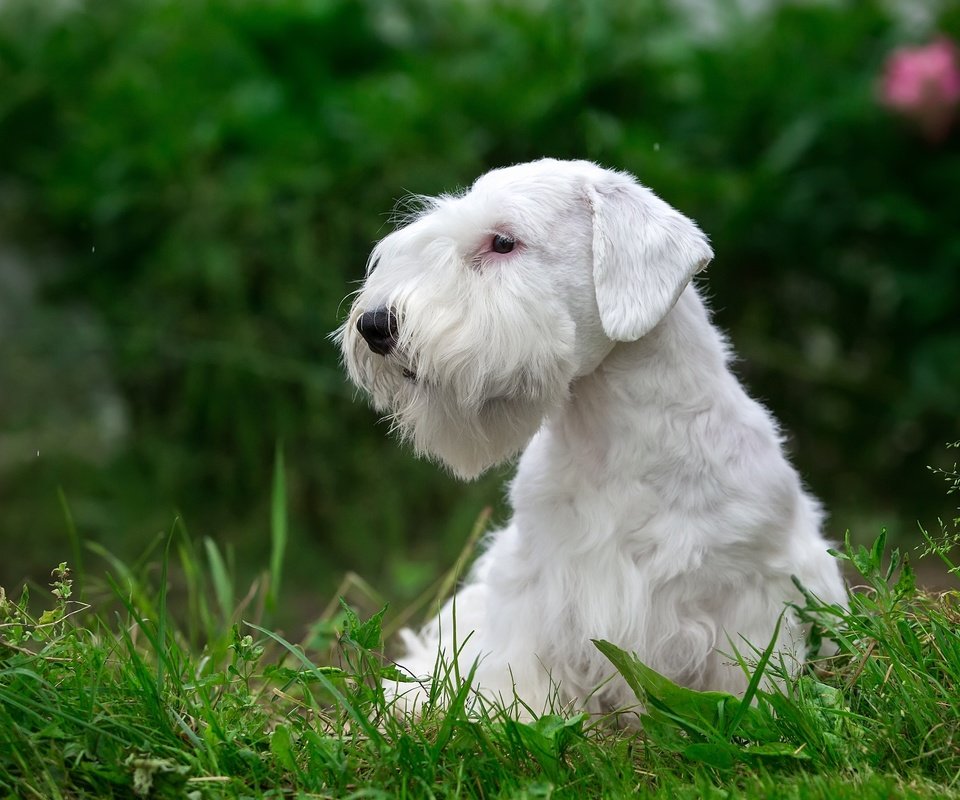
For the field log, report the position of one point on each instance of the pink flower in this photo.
(923, 84)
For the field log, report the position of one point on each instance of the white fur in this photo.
(653, 505)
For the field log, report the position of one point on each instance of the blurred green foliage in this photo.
(205, 180)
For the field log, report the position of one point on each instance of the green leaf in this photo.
(560, 731)
(775, 750)
(365, 635)
(701, 725)
(719, 755)
(907, 581)
(547, 738)
(289, 674)
(756, 724)
(664, 733)
(50, 616)
(701, 711)
(820, 694)
(876, 552)
(281, 745)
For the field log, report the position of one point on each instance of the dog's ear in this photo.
(644, 254)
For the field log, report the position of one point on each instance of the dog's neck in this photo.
(677, 362)
(677, 370)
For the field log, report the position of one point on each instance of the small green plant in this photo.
(18, 628)
(948, 540)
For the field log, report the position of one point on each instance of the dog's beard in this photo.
(467, 441)
(467, 425)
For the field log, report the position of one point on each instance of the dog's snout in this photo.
(379, 330)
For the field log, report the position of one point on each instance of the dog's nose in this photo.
(379, 329)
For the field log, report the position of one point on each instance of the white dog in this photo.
(550, 306)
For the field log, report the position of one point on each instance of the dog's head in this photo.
(478, 314)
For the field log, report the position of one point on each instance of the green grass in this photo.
(115, 694)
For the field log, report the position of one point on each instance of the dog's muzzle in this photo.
(379, 330)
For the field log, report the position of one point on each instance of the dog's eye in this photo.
(502, 244)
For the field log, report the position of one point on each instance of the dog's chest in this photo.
(579, 509)
(597, 560)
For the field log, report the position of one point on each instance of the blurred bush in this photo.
(204, 181)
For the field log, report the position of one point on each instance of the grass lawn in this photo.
(108, 693)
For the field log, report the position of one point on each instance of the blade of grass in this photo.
(278, 528)
(162, 606)
(744, 705)
(222, 585)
